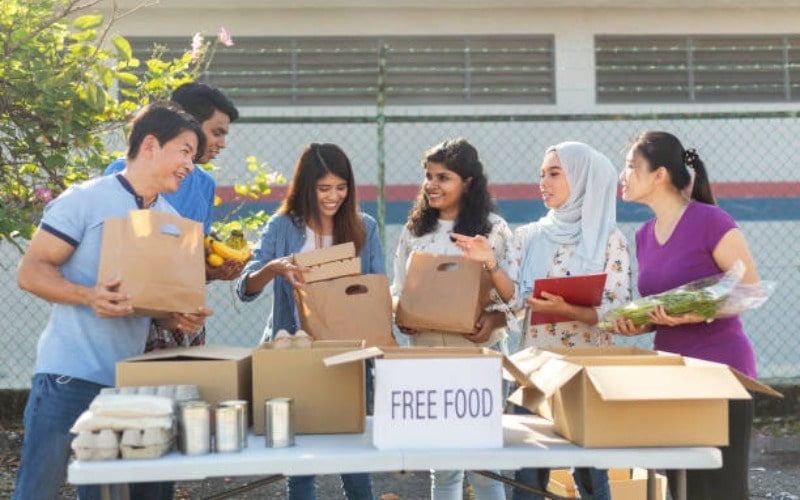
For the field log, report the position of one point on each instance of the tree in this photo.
(59, 85)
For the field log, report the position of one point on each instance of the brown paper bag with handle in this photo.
(445, 293)
(159, 258)
(348, 308)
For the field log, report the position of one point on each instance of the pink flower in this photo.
(197, 46)
(43, 194)
(225, 37)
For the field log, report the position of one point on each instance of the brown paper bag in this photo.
(348, 308)
(444, 293)
(160, 259)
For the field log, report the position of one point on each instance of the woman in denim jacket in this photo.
(320, 210)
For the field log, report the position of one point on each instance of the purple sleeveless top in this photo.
(685, 257)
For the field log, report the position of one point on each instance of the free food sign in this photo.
(438, 403)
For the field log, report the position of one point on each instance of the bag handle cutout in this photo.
(171, 230)
(447, 266)
(356, 290)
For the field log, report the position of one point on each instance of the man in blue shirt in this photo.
(91, 327)
(195, 197)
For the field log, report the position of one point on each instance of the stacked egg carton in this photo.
(136, 422)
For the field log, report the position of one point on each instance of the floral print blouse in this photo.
(571, 333)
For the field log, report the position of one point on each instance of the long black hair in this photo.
(461, 157)
(662, 149)
(315, 162)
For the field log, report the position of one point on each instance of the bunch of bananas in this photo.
(234, 248)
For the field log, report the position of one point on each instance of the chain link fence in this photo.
(751, 161)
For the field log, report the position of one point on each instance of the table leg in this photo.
(652, 492)
(680, 484)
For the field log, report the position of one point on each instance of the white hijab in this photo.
(586, 219)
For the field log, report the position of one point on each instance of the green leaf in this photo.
(84, 36)
(123, 47)
(128, 78)
(88, 21)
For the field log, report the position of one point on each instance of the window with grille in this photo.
(330, 71)
(633, 69)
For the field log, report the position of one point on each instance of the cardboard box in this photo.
(331, 262)
(433, 397)
(325, 400)
(220, 372)
(625, 484)
(598, 398)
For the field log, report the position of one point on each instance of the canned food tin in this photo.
(278, 428)
(226, 427)
(241, 407)
(194, 424)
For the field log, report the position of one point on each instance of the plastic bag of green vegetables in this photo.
(715, 296)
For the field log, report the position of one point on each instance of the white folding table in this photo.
(529, 441)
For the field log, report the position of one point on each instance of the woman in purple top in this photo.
(691, 238)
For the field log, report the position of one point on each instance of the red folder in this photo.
(583, 290)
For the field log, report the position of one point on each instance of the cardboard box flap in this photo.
(308, 343)
(512, 373)
(553, 375)
(351, 356)
(754, 385)
(531, 359)
(202, 352)
(610, 350)
(747, 382)
(410, 353)
(664, 383)
(323, 255)
(528, 397)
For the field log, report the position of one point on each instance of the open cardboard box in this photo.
(625, 484)
(431, 397)
(624, 396)
(331, 262)
(220, 372)
(325, 400)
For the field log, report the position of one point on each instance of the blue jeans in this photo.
(54, 403)
(586, 479)
(448, 485)
(356, 487)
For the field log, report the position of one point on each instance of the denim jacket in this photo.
(285, 235)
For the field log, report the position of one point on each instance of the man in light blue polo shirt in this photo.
(195, 197)
(90, 326)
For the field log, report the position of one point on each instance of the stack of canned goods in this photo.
(195, 423)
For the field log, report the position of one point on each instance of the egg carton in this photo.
(152, 442)
(182, 392)
(96, 445)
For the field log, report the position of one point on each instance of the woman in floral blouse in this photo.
(454, 199)
(579, 235)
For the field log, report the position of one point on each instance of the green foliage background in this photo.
(65, 84)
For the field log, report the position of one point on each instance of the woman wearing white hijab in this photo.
(579, 235)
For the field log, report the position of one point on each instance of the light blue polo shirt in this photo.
(75, 341)
(194, 199)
